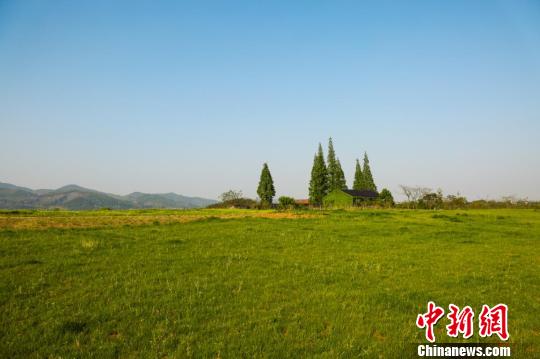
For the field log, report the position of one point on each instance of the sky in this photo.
(193, 97)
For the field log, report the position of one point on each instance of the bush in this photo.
(455, 202)
(287, 202)
(244, 203)
(385, 198)
(431, 201)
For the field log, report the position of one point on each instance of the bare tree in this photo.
(406, 190)
(414, 193)
(230, 195)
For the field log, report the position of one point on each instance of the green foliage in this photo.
(336, 177)
(332, 167)
(424, 198)
(455, 202)
(358, 177)
(338, 199)
(286, 202)
(385, 198)
(266, 190)
(368, 182)
(245, 203)
(318, 185)
(433, 200)
(349, 286)
(341, 182)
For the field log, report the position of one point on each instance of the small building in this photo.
(302, 202)
(349, 197)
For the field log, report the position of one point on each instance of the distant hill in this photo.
(167, 200)
(74, 197)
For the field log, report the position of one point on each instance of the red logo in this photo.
(491, 321)
(494, 321)
(460, 321)
(429, 319)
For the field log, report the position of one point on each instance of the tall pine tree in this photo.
(266, 189)
(358, 177)
(333, 170)
(341, 181)
(368, 177)
(318, 185)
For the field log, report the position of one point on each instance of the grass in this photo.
(39, 219)
(235, 283)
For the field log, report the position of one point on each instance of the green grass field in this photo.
(233, 283)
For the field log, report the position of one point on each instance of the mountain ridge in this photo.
(75, 197)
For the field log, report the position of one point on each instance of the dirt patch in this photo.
(44, 222)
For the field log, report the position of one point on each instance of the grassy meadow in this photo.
(245, 283)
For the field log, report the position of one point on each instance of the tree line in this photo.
(425, 198)
(326, 176)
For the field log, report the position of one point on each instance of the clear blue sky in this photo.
(193, 97)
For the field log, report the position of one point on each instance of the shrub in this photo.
(287, 202)
(431, 201)
(244, 203)
(455, 202)
(385, 198)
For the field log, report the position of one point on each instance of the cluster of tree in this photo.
(505, 202)
(328, 176)
(325, 177)
(425, 198)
